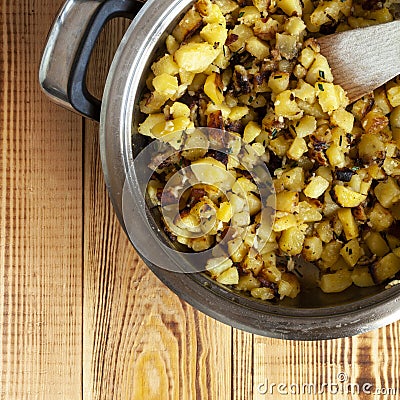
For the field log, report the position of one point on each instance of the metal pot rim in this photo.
(119, 105)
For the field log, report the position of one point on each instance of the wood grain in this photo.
(141, 341)
(81, 316)
(40, 219)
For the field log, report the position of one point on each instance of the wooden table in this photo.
(81, 316)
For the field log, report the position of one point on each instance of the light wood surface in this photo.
(81, 317)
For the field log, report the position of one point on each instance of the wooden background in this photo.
(81, 317)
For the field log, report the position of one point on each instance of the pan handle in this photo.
(62, 72)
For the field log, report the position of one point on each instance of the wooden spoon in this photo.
(363, 59)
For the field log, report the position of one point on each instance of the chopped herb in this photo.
(322, 74)
(321, 87)
(277, 76)
(230, 150)
(247, 67)
(274, 133)
(223, 49)
(355, 168)
(241, 14)
(251, 98)
(178, 141)
(340, 140)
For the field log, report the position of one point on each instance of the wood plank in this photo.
(242, 365)
(141, 341)
(358, 367)
(40, 219)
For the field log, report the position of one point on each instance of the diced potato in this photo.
(248, 282)
(351, 252)
(254, 264)
(385, 268)
(279, 81)
(225, 212)
(263, 293)
(172, 44)
(319, 71)
(195, 57)
(361, 277)
(251, 131)
(214, 34)
(316, 187)
(238, 112)
(382, 101)
(325, 172)
(336, 282)
(237, 250)
(297, 148)
(229, 277)
(286, 45)
(287, 201)
(257, 48)
(371, 148)
(347, 197)
(188, 24)
(286, 106)
(152, 103)
(290, 7)
(343, 119)
(328, 11)
(335, 156)
(166, 84)
(285, 222)
(305, 126)
(374, 122)
(312, 248)
(307, 57)
(288, 286)
(308, 213)
(279, 146)
(179, 110)
(165, 65)
(387, 193)
(210, 171)
(331, 252)
(349, 223)
(216, 266)
(291, 241)
(376, 243)
(380, 218)
(266, 30)
(227, 6)
(244, 185)
(295, 26)
(151, 121)
(271, 272)
(242, 33)
(325, 231)
(328, 96)
(293, 179)
(213, 88)
(249, 15)
(393, 95)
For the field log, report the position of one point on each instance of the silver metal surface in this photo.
(313, 314)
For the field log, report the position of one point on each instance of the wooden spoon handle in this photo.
(363, 59)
